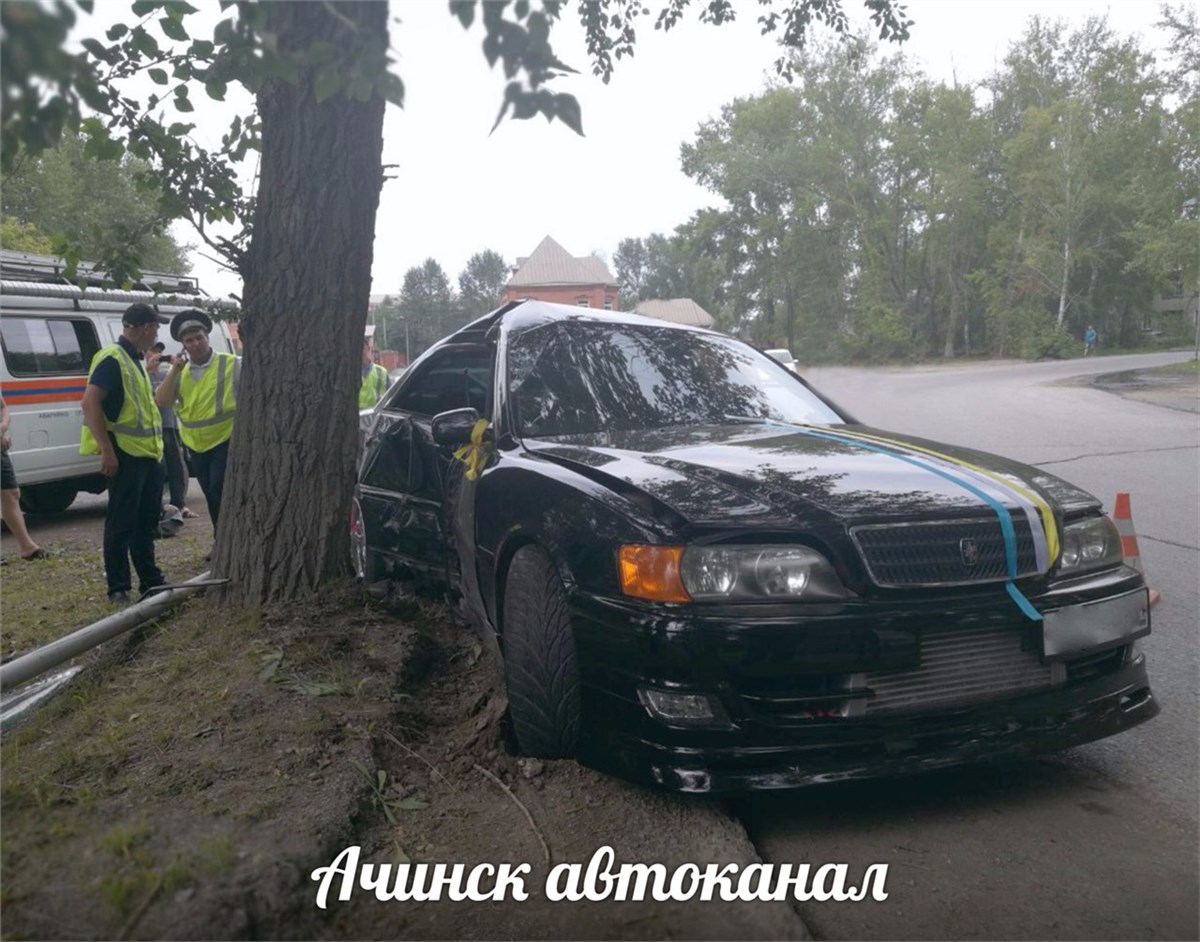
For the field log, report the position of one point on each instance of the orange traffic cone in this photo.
(1123, 517)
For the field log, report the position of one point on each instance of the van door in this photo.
(46, 357)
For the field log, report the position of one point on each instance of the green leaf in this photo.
(184, 104)
(96, 48)
(117, 31)
(174, 29)
(362, 88)
(320, 52)
(142, 7)
(327, 83)
(216, 89)
(201, 49)
(86, 5)
(159, 76)
(144, 43)
(521, 9)
(411, 804)
(567, 110)
(464, 10)
(178, 9)
(393, 90)
(179, 129)
(524, 107)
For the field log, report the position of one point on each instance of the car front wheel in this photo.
(539, 658)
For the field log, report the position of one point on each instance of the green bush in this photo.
(1042, 336)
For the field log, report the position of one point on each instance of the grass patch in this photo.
(186, 748)
(1186, 367)
(50, 598)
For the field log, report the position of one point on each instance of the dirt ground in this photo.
(1170, 387)
(189, 781)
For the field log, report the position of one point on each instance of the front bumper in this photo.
(741, 662)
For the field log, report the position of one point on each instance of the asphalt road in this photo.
(1100, 842)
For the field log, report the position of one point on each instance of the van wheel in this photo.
(539, 658)
(47, 498)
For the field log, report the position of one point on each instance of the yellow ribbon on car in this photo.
(474, 454)
(1043, 508)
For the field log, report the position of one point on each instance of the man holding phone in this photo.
(202, 387)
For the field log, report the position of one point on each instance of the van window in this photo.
(46, 346)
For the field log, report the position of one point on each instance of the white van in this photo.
(49, 332)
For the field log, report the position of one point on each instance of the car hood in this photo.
(772, 475)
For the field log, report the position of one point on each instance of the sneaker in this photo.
(119, 598)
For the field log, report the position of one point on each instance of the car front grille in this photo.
(960, 666)
(950, 552)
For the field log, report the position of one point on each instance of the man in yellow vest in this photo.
(374, 379)
(123, 426)
(202, 386)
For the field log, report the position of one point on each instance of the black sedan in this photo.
(701, 573)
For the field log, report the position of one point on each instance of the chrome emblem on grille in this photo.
(969, 550)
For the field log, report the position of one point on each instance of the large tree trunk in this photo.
(307, 281)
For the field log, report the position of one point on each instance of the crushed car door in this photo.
(398, 519)
(456, 377)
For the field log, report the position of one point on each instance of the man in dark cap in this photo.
(202, 386)
(122, 424)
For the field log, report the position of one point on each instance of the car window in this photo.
(577, 378)
(450, 379)
(48, 346)
(395, 464)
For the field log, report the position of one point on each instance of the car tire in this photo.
(47, 498)
(539, 658)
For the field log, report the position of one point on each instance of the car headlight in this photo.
(759, 572)
(1090, 544)
(703, 573)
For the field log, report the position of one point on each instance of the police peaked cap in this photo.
(184, 321)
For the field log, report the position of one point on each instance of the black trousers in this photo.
(134, 505)
(210, 472)
(177, 475)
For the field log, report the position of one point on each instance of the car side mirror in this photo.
(453, 428)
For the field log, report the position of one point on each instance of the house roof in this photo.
(676, 310)
(551, 264)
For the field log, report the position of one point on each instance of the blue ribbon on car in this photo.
(1006, 525)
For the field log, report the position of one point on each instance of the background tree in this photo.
(321, 75)
(426, 307)
(24, 237)
(93, 205)
(481, 282)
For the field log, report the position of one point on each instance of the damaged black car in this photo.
(702, 574)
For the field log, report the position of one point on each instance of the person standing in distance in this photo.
(10, 494)
(374, 378)
(122, 424)
(202, 386)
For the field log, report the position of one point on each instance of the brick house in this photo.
(552, 274)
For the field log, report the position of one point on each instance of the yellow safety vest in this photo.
(206, 407)
(138, 429)
(374, 385)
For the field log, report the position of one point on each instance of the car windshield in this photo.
(578, 378)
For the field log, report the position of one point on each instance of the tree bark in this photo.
(307, 277)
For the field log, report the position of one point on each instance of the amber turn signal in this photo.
(652, 572)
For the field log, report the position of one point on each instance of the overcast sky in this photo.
(459, 190)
